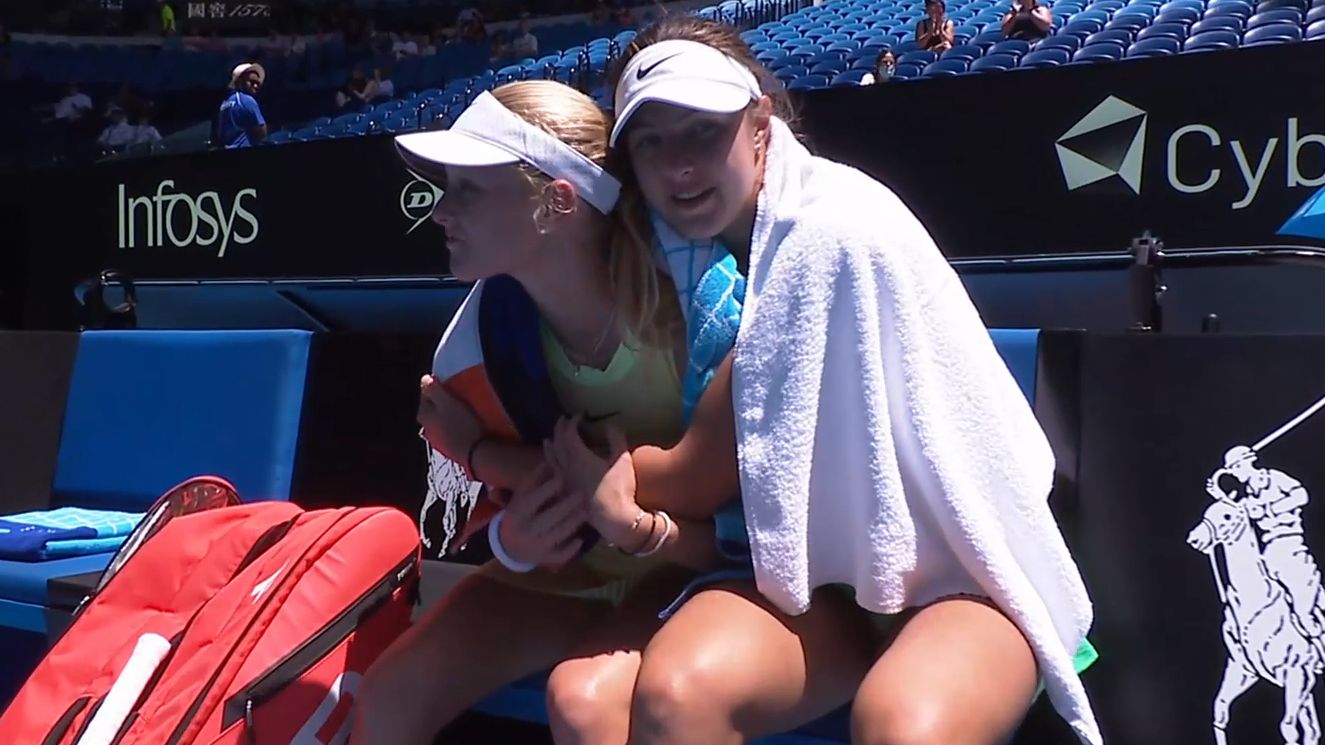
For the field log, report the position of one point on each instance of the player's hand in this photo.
(607, 484)
(448, 425)
(542, 520)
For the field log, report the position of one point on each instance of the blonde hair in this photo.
(646, 301)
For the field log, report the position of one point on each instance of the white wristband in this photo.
(494, 543)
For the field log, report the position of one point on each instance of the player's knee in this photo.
(580, 701)
(669, 692)
(914, 722)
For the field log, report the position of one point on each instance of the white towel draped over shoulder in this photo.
(883, 443)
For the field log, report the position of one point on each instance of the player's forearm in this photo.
(504, 465)
(699, 475)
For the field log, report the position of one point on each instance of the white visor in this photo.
(489, 134)
(686, 74)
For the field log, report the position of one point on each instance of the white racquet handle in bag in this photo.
(147, 655)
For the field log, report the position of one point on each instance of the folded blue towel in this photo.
(63, 532)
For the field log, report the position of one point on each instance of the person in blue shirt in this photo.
(240, 122)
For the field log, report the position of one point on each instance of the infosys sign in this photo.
(169, 217)
(1110, 142)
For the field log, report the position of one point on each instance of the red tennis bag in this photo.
(244, 624)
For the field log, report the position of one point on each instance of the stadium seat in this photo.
(1316, 31)
(992, 62)
(1208, 41)
(1127, 23)
(1107, 6)
(1175, 31)
(1060, 41)
(1113, 36)
(1083, 28)
(847, 47)
(1051, 57)
(1315, 14)
(790, 73)
(945, 68)
(1197, 5)
(1104, 51)
(1179, 16)
(1275, 33)
(1225, 23)
(918, 58)
(1157, 47)
(1013, 47)
(1099, 16)
(1237, 9)
(148, 409)
(809, 82)
(848, 78)
(906, 72)
(829, 68)
(1279, 15)
(966, 52)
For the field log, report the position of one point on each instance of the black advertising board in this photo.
(1210, 149)
(339, 208)
(1198, 527)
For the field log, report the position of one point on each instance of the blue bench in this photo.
(525, 700)
(148, 409)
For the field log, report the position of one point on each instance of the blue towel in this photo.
(712, 302)
(63, 532)
(711, 324)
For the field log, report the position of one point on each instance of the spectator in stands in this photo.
(404, 45)
(601, 13)
(144, 132)
(525, 43)
(1027, 20)
(74, 106)
(126, 101)
(470, 22)
(935, 31)
(240, 122)
(843, 610)
(118, 133)
(167, 17)
(355, 91)
(500, 50)
(381, 87)
(884, 66)
(428, 45)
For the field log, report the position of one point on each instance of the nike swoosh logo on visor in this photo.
(640, 73)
